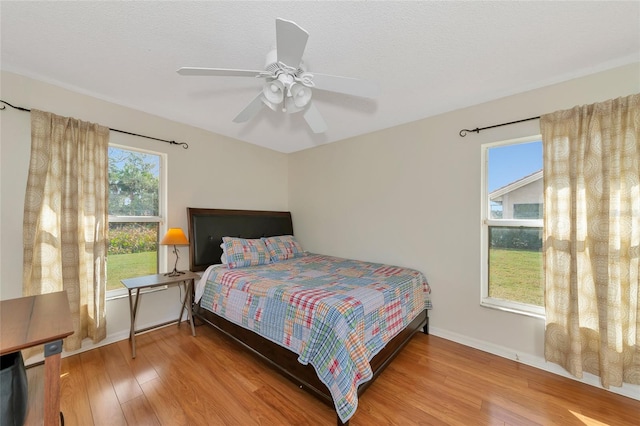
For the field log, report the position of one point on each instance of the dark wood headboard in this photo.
(208, 226)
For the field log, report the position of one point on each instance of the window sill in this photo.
(514, 307)
(123, 293)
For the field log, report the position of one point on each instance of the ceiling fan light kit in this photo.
(287, 85)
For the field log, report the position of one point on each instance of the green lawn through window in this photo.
(516, 275)
(130, 265)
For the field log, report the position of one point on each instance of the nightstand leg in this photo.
(133, 308)
(190, 307)
(52, 413)
(186, 303)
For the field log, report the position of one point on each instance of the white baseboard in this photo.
(88, 345)
(630, 391)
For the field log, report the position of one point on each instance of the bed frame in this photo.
(206, 229)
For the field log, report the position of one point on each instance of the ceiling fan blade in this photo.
(290, 42)
(250, 110)
(314, 119)
(221, 72)
(346, 85)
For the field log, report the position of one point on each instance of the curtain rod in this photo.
(183, 144)
(464, 132)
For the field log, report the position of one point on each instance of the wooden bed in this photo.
(206, 229)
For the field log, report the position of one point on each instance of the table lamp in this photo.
(175, 237)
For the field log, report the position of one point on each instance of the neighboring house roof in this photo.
(515, 185)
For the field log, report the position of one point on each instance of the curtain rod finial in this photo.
(183, 144)
(464, 132)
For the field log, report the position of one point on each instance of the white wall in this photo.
(410, 195)
(197, 177)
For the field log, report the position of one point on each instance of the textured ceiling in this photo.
(426, 57)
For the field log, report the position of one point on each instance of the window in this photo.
(135, 215)
(527, 211)
(512, 208)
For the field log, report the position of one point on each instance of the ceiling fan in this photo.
(287, 84)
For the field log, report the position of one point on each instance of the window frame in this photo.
(160, 219)
(487, 221)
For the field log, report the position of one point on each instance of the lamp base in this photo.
(174, 273)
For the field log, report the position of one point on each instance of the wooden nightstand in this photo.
(150, 281)
(31, 321)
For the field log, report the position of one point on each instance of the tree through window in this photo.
(134, 214)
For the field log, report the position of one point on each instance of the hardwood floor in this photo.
(178, 379)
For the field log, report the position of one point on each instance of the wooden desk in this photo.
(149, 281)
(36, 320)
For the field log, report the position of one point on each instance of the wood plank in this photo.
(255, 387)
(105, 406)
(74, 396)
(141, 367)
(246, 373)
(164, 403)
(228, 409)
(139, 412)
(587, 401)
(191, 395)
(208, 379)
(124, 381)
(221, 377)
(244, 380)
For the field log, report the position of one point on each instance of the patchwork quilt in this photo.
(335, 313)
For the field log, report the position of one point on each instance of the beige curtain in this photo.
(592, 239)
(65, 219)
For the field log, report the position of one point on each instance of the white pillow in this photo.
(223, 258)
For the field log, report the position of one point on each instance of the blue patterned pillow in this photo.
(241, 252)
(283, 247)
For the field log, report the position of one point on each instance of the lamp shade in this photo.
(274, 91)
(175, 237)
(301, 94)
